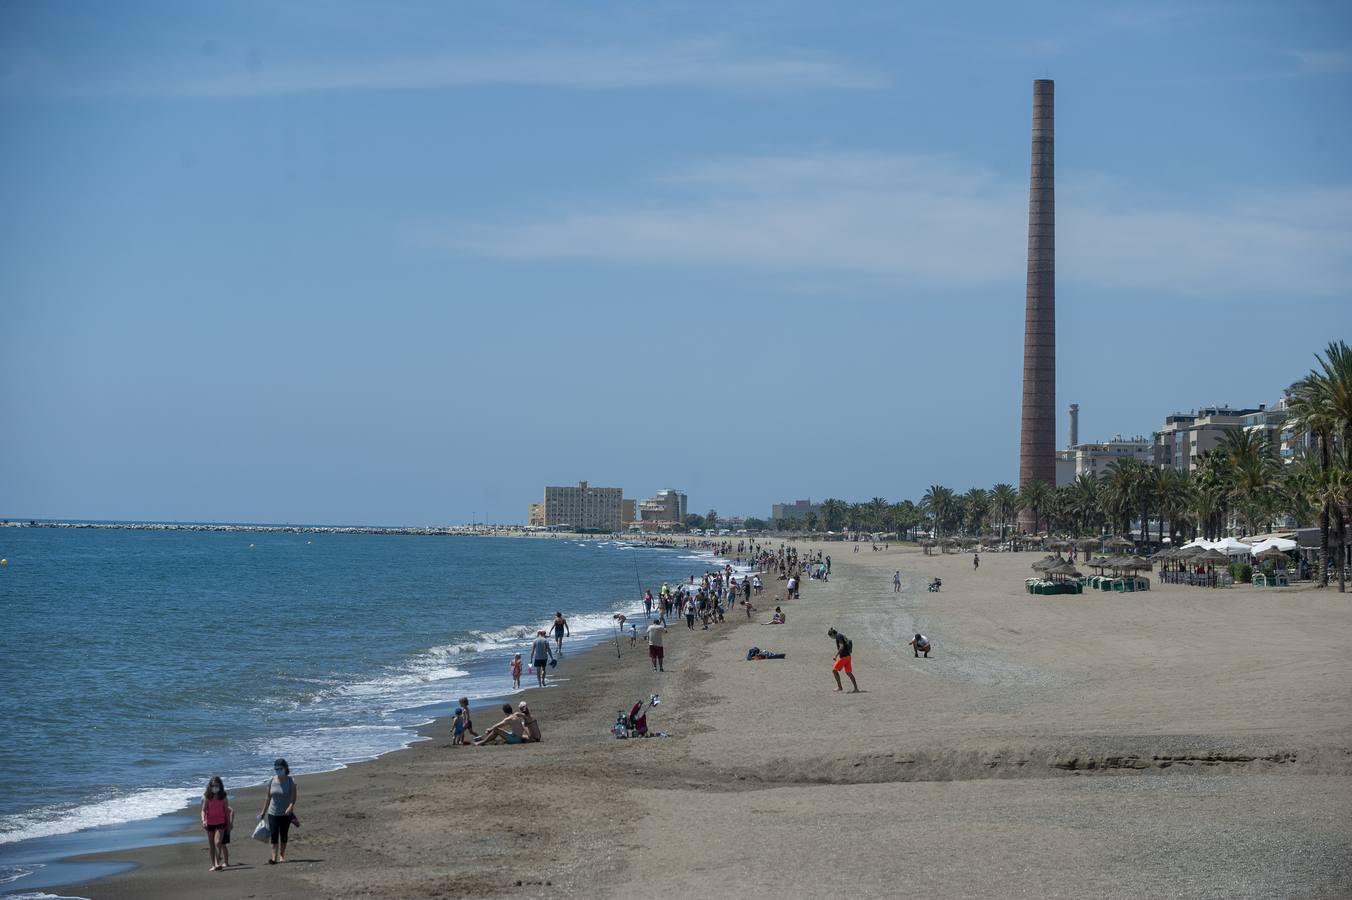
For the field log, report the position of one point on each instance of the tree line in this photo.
(1241, 487)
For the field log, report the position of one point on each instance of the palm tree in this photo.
(1035, 498)
(833, 514)
(1174, 495)
(1083, 502)
(876, 509)
(1311, 409)
(976, 503)
(1004, 503)
(938, 502)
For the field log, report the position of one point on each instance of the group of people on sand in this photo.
(518, 726)
(279, 811)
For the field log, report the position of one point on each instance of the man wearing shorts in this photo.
(541, 655)
(844, 648)
(654, 639)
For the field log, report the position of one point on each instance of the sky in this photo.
(406, 263)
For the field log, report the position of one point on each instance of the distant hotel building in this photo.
(535, 516)
(584, 507)
(628, 511)
(663, 509)
(799, 510)
(1186, 436)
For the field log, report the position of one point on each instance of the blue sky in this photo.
(406, 263)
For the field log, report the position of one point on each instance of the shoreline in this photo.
(68, 851)
(1060, 746)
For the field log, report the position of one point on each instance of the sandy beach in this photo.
(1178, 743)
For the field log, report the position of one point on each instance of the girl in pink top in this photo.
(516, 672)
(217, 817)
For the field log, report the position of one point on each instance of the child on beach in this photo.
(516, 672)
(458, 733)
(217, 817)
(469, 724)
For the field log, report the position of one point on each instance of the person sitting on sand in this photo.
(777, 618)
(844, 650)
(511, 729)
(531, 723)
(920, 644)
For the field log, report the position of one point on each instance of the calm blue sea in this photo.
(133, 665)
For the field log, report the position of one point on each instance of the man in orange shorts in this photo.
(844, 647)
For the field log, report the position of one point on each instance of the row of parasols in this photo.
(1055, 566)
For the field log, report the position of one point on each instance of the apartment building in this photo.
(584, 507)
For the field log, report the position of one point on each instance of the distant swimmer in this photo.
(896, 582)
(920, 644)
(843, 662)
(560, 629)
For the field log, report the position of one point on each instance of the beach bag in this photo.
(753, 653)
(261, 831)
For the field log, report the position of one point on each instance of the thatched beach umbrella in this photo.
(1137, 562)
(1046, 563)
(1214, 558)
(1059, 544)
(1065, 569)
(1088, 543)
(1274, 554)
(1118, 541)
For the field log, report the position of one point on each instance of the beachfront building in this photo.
(535, 515)
(1093, 459)
(665, 509)
(628, 511)
(1065, 467)
(799, 509)
(584, 507)
(1186, 436)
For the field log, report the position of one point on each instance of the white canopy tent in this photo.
(1282, 544)
(1232, 547)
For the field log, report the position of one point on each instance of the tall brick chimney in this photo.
(1037, 438)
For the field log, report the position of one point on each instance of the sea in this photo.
(136, 664)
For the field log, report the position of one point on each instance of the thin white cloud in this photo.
(1323, 62)
(938, 221)
(706, 63)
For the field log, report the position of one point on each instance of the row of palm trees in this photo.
(1242, 486)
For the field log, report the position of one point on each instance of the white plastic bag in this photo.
(261, 831)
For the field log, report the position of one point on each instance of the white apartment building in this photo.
(1093, 459)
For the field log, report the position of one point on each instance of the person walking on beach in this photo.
(844, 650)
(920, 644)
(541, 654)
(217, 818)
(896, 582)
(648, 603)
(560, 629)
(516, 672)
(976, 561)
(655, 650)
(279, 806)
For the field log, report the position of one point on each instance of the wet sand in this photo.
(1181, 742)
